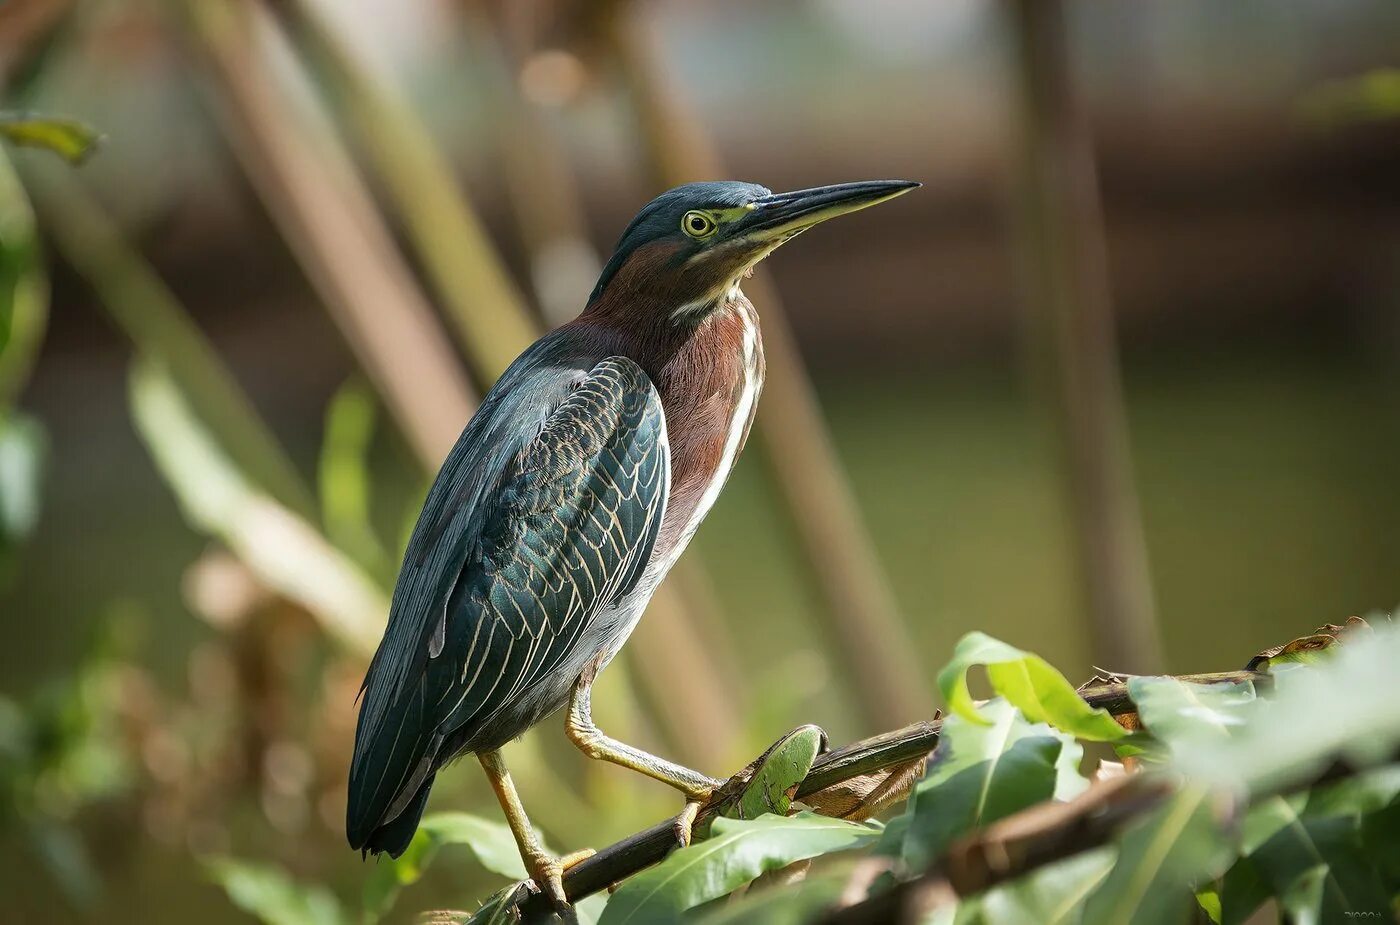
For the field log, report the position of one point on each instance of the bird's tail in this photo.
(394, 834)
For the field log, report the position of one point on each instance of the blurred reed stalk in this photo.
(393, 330)
(487, 311)
(28, 32)
(870, 637)
(527, 91)
(1070, 337)
(141, 305)
(314, 195)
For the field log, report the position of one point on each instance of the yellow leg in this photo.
(592, 742)
(546, 871)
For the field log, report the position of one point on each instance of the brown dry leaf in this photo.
(1307, 649)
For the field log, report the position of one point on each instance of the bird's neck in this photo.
(677, 344)
(708, 371)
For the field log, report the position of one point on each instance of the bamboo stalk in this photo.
(1069, 334)
(309, 187)
(860, 613)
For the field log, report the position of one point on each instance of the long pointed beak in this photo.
(784, 214)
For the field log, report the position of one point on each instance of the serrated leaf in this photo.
(491, 842)
(70, 139)
(978, 774)
(1159, 861)
(271, 896)
(1052, 895)
(736, 853)
(1028, 682)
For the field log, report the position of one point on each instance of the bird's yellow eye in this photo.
(698, 225)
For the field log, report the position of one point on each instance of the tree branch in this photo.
(635, 853)
(1033, 838)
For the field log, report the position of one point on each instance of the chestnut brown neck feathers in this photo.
(706, 361)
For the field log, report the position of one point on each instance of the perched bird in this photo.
(566, 499)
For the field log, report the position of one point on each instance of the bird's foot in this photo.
(548, 873)
(684, 823)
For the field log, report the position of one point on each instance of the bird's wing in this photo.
(504, 573)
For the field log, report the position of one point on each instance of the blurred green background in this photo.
(167, 700)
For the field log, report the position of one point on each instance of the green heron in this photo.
(566, 499)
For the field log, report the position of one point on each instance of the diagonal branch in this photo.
(1037, 837)
(637, 852)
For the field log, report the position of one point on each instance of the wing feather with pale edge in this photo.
(504, 575)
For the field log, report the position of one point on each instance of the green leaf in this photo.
(1174, 711)
(22, 450)
(589, 910)
(1344, 708)
(1317, 867)
(498, 908)
(70, 139)
(771, 789)
(978, 774)
(24, 288)
(285, 552)
(1208, 898)
(1159, 861)
(1028, 682)
(1380, 840)
(491, 842)
(1052, 895)
(274, 898)
(1367, 97)
(737, 852)
(794, 904)
(1242, 892)
(1365, 793)
(344, 474)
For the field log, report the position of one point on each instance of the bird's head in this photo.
(688, 248)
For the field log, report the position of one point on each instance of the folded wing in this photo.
(517, 553)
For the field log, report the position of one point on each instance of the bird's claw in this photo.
(685, 822)
(548, 874)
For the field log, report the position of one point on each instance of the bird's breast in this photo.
(709, 391)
